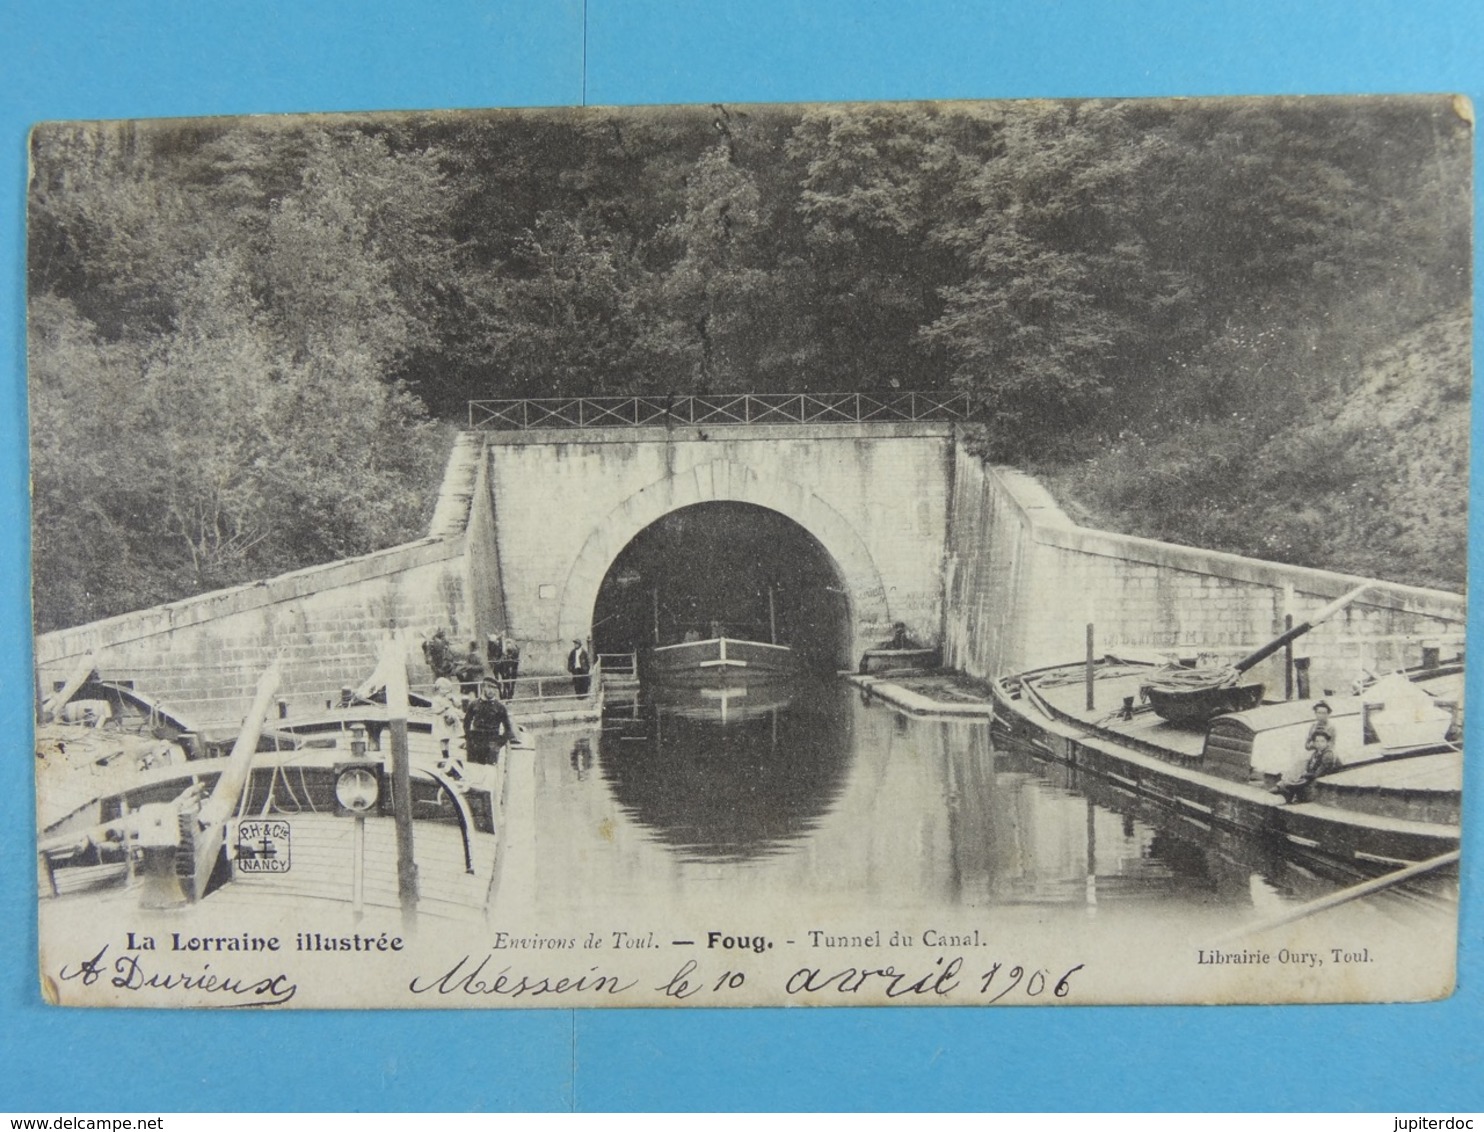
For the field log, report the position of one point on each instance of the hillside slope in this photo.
(1369, 476)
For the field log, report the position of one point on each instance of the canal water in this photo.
(815, 807)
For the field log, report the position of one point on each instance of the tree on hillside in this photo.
(203, 421)
(1060, 301)
(707, 311)
(559, 313)
(1132, 266)
(1182, 283)
(872, 184)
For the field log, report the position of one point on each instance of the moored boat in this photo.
(308, 810)
(1393, 799)
(717, 659)
(133, 834)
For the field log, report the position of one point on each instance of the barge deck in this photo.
(1142, 755)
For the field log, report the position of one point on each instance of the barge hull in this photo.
(1369, 841)
(720, 659)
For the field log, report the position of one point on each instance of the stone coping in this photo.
(1050, 526)
(293, 586)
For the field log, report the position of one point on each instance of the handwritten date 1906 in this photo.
(944, 979)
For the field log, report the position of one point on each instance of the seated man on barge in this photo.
(1322, 758)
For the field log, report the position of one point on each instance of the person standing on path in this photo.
(487, 726)
(471, 668)
(512, 667)
(580, 666)
(439, 654)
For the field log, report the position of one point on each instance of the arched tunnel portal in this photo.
(707, 543)
(725, 568)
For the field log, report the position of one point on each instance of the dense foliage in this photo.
(239, 328)
(1369, 477)
(214, 336)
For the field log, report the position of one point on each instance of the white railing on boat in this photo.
(722, 641)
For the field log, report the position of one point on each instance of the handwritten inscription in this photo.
(721, 967)
(511, 984)
(946, 977)
(130, 973)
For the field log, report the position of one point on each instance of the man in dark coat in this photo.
(471, 666)
(512, 667)
(580, 666)
(439, 655)
(487, 726)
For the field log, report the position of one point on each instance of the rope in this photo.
(270, 802)
(1174, 678)
(308, 794)
(1079, 674)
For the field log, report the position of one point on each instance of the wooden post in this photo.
(52, 704)
(394, 669)
(1288, 659)
(208, 831)
(1090, 892)
(517, 859)
(1345, 895)
(358, 870)
(1091, 698)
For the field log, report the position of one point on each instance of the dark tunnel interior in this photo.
(732, 569)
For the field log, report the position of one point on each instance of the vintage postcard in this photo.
(954, 553)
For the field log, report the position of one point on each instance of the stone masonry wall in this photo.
(874, 496)
(482, 559)
(520, 523)
(203, 655)
(1023, 581)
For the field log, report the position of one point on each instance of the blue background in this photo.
(153, 58)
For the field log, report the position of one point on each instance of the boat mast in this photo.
(772, 617)
(1297, 631)
(394, 661)
(655, 595)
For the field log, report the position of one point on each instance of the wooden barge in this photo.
(1387, 806)
(134, 830)
(309, 810)
(720, 659)
(724, 703)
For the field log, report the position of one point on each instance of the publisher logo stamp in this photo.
(263, 847)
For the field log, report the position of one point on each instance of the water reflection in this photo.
(728, 773)
(822, 801)
(1029, 831)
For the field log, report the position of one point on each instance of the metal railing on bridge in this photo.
(719, 408)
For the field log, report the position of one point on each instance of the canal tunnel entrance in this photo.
(725, 568)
